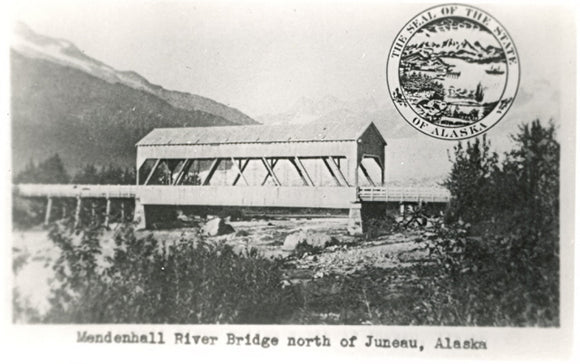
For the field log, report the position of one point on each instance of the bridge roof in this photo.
(312, 132)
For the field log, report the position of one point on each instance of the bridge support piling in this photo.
(78, 211)
(355, 220)
(108, 212)
(139, 215)
(48, 209)
(122, 211)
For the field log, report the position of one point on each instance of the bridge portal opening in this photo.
(371, 172)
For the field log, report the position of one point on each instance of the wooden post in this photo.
(122, 211)
(240, 171)
(241, 168)
(335, 171)
(108, 212)
(182, 170)
(78, 211)
(334, 176)
(48, 208)
(271, 173)
(302, 171)
(366, 174)
(383, 173)
(273, 163)
(152, 171)
(211, 171)
(336, 164)
(355, 162)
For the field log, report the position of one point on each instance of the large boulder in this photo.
(216, 227)
(292, 240)
(313, 240)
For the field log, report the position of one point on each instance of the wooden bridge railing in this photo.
(404, 194)
(371, 194)
(83, 191)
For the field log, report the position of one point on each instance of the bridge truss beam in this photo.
(175, 171)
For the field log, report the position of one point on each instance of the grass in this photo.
(421, 295)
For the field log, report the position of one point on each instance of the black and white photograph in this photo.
(326, 172)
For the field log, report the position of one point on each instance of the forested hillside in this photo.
(58, 109)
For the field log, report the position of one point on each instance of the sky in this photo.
(261, 57)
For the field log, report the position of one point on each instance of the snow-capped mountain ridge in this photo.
(470, 52)
(63, 52)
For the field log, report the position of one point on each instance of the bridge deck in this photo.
(322, 197)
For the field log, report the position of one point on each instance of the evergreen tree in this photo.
(524, 188)
(128, 176)
(470, 180)
(87, 175)
(110, 175)
(51, 170)
(531, 175)
(28, 175)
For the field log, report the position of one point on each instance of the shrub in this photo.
(495, 261)
(51, 170)
(186, 282)
(27, 213)
(470, 180)
(509, 269)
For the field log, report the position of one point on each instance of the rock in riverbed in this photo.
(216, 227)
(314, 240)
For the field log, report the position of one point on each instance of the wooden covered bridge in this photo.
(320, 165)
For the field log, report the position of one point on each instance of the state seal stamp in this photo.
(453, 72)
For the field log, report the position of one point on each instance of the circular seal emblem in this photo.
(453, 72)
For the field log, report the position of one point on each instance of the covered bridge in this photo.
(260, 166)
(319, 165)
(352, 154)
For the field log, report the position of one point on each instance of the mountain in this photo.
(425, 62)
(65, 102)
(475, 53)
(63, 52)
(57, 109)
